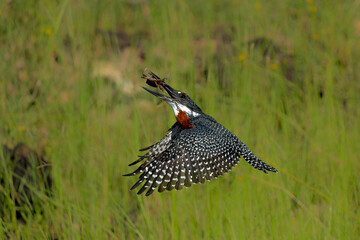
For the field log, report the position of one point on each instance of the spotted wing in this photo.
(191, 156)
(208, 153)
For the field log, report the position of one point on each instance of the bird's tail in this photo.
(253, 160)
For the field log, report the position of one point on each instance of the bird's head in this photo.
(183, 106)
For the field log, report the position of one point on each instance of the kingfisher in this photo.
(196, 148)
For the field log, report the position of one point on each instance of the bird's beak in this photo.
(173, 93)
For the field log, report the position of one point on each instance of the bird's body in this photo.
(196, 148)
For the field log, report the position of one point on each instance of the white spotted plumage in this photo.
(190, 156)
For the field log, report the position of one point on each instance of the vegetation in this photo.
(281, 75)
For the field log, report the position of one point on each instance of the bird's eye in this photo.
(182, 95)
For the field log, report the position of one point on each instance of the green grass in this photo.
(73, 91)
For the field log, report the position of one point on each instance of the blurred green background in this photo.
(282, 75)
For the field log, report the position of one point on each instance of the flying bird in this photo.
(196, 148)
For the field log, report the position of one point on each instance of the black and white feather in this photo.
(190, 156)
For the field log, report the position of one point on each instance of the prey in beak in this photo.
(183, 106)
